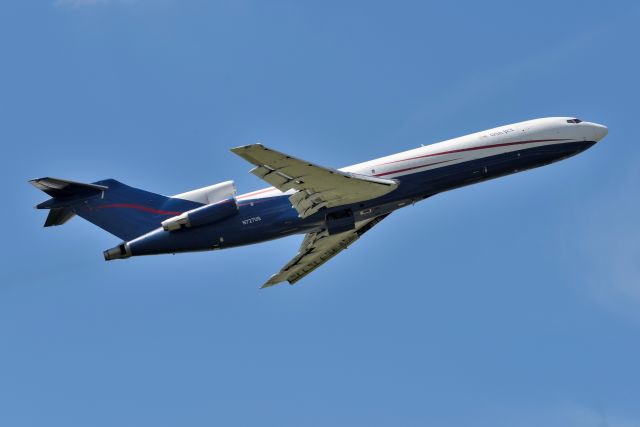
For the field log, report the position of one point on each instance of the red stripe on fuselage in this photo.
(415, 167)
(255, 193)
(460, 150)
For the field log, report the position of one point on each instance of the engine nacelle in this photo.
(203, 215)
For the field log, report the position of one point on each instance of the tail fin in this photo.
(123, 211)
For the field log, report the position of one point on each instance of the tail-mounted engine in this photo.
(220, 203)
(203, 215)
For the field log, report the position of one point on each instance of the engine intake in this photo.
(203, 215)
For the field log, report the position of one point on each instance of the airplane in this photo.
(331, 207)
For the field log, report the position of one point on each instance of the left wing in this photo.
(317, 187)
(318, 248)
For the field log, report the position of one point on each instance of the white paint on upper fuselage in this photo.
(491, 142)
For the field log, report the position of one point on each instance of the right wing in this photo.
(318, 248)
(317, 187)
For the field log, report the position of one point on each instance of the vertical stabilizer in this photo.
(123, 211)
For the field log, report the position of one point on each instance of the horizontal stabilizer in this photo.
(58, 216)
(62, 188)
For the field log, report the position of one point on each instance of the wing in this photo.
(316, 186)
(318, 248)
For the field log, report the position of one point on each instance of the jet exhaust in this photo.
(119, 252)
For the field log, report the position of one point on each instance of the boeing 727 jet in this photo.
(331, 207)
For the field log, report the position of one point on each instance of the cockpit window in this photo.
(574, 121)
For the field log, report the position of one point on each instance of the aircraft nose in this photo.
(599, 131)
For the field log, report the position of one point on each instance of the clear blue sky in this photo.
(510, 303)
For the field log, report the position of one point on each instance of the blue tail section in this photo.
(123, 211)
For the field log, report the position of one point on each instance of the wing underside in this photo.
(318, 248)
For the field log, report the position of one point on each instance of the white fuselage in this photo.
(504, 139)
